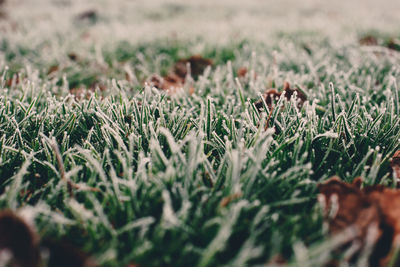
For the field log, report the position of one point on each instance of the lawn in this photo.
(94, 155)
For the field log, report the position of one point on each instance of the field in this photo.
(94, 155)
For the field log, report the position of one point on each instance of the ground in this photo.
(93, 155)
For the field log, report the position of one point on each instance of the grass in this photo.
(193, 179)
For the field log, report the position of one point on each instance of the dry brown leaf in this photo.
(271, 96)
(368, 40)
(375, 208)
(394, 44)
(53, 69)
(18, 238)
(395, 164)
(169, 83)
(80, 93)
(197, 66)
(242, 72)
(176, 78)
(90, 15)
(289, 93)
(342, 200)
(73, 56)
(13, 80)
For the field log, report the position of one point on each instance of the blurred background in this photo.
(110, 20)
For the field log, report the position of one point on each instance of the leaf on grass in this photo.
(73, 56)
(19, 239)
(22, 243)
(395, 164)
(81, 93)
(271, 96)
(341, 200)
(169, 83)
(393, 44)
(53, 69)
(14, 80)
(197, 66)
(177, 77)
(242, 72)
(88, 15)
(368, 40)
(373, 209)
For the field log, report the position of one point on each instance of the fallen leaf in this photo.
(172, 81)
(169, 83)
(176, 78)
(341, 200)
(373, 209)
(97, 85)
(395, 164)
(289, 93)
(14, 80)
(368, 40)
(271, 96)
(52, 69)
(72, 56)
(242, 72)
(80, 93)
(18, 237)
(197, 66)
(393, 44)
(89, 15)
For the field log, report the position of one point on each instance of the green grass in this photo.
(164, 164)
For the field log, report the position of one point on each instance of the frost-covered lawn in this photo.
(133, 175)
